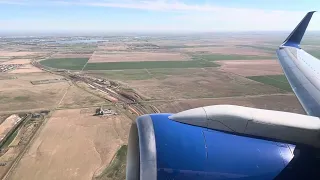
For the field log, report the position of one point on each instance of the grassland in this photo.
(141, 74)
(76, 140)
(19, 94)
(130, 74)
(77, 98)
(66, 63)
(193, 83)
(278, 81)
(149, 65)
(216, 57)
(196, 83)
(117, 168)
(10, 138)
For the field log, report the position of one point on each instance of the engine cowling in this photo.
(160, 148)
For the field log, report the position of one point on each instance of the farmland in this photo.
(149, 65)
(20, 94)
(124, 75)
(285, 102)
(115, 171)
(278, 81)
(78, 98)
(189, 83)
(57, 146)
(102, 57)
(251, 68)
(66, 63)
(130, 75)
(78, 64)
(220, 57)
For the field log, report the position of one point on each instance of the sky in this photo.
(154, 15)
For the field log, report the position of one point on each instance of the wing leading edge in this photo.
(301, 69)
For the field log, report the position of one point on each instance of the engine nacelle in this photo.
(160, 148)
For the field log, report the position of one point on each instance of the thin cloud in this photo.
(14, 2)
(180, 16)
(158, 5)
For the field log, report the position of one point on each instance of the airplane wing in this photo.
(301, 69)
(234, 142)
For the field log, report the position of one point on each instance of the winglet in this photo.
(295, 37)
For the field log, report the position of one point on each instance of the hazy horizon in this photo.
(142, 33)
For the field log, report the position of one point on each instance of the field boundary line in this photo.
(30, 142)
(148, 72)
(63, 97)
(268, 77)
(23, 111)
(247, 77)
(84, 66)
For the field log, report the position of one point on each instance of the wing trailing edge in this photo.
(301, 69)
(294, 39)
(260, 123)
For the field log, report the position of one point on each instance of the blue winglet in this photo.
(295, 37)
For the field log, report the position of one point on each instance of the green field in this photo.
(262, 47)
(117, 168)
(10, 138)
(216, 57)
(65, 63)
(187, 46)
(279, 81)
(78, 63)
(149, 65)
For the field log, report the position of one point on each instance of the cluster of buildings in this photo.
(100, 112)
(9, 67)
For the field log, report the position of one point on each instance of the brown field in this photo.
(286, 102)
(3, 117)
(227, 50)
(10, 152)
(195, 43)
(63, 55)
(73, 145)
(3, 60)
(77, 98)
(113, 47)
(26, 69)
(32, 98)
(7, 125)
(17, 61)
(11, 53)
(20, 94)
(136, 56)
(251, 67)
(23, 80)
(197, 83)
(98, 93)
